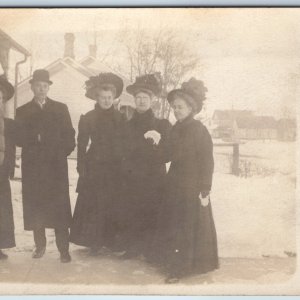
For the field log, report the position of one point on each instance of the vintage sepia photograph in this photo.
(149, 150)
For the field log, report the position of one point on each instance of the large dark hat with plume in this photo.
(6, 88)
(103, 80)
(193, 91)
(148, 82)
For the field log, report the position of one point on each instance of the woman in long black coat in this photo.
(143, 173)
(95, 218)
(7, 164)
(186, 241)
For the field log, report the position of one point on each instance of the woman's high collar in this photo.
(185, 121)
(104, 111)
(147, 115)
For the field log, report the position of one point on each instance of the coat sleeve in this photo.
(12, 138)
(23, 136)
(162, 151)
(68, 132)
(82, 143)
(2, 140)
(204, 148)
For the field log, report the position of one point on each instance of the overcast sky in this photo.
(250, 58)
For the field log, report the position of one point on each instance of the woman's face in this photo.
(104, 98)
(143, 102)
(181, 109)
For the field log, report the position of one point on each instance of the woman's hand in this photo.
(204, 198)
(154, 135)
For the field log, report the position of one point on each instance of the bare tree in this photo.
(161, 51)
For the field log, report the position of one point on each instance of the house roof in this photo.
(97, 66)
(13, 44)
(59, 65)
(231, 114)
(257, 122)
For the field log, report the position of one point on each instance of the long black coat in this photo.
(47, 138)
(186, 239)
(95, 218)
(7, 237)
(143, 179)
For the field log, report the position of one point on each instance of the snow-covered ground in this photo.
(254, 216)
(269, 156)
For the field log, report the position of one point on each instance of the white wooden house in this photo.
(69, 78)
(224, 122)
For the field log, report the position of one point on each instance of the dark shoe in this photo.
(38, 252)
(105, 251)
(65, 257)
(93, 252)
(171, 280)
(3, 256)
(129, 255)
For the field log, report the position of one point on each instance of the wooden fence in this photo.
(235, 168)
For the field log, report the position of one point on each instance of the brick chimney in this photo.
(69, 45)
(93, 51)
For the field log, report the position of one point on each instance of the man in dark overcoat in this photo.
(47, 137)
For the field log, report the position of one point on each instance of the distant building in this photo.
(256, 128)
(287, 129)
(224, 122)
(243, 124)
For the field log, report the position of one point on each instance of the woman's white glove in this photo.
(154, 135)
(204, 198)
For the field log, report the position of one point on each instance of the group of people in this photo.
(129, 202)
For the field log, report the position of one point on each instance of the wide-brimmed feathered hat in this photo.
(6, 88)
(40, 75)
(148, 82)
(103, 80)
(193, 91)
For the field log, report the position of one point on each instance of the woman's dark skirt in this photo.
(186, 240)
(7, 236)
(94, 219)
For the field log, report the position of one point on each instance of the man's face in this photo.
(40, 89)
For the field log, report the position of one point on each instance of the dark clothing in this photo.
(47, 138)
(186, 239)
(95, 218)
(144, 175)
(7, 237)
(61, 236)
